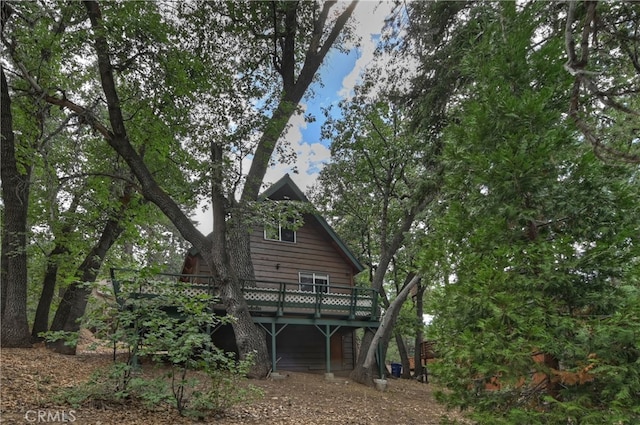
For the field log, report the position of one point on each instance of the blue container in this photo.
(396, 370)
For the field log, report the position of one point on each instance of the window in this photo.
(314, 282)
(277, 232)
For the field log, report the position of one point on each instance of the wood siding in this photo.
(299, 348)
(312, 252)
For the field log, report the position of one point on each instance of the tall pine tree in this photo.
(536, 316)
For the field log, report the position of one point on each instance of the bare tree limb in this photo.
(584, 79)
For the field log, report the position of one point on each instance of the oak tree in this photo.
(237, 48)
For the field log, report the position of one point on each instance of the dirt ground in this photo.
(31, 377)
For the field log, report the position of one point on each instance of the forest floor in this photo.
(32, 378)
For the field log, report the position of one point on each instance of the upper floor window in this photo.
(277, 232)
(314, 282)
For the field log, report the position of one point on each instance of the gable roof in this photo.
(285, 188)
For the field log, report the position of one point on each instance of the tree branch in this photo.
(129, 182)
(289, 102)
(118, 138)
(86, 114)
(583, 78)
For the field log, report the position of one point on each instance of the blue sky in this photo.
(339, 74)
(339, 65)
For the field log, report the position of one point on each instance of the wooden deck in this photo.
(281, 308)
(264, 298)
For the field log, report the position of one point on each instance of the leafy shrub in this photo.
(105, 387)
(169, 326)
(224, 387)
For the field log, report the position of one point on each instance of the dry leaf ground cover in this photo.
(32, 377)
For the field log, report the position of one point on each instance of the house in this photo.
(304, 295)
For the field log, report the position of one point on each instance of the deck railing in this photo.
(287, 298)
(262, 297)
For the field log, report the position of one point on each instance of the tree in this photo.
(15, 193)
(601, 44)
(78, 183)
(15, 171)
(432, 42)
(381, 179)
(540, 241)
(365, 374)
(74, 301)
(272, 37)
(49, 280)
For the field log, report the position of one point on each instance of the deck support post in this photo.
(273, 347)
(328, 333)
(328, 347)
(274, 333)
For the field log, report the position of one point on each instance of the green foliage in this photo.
(152, 392)
(155, 318)
(381, 180)
(408, 324)
(69, 338)
(105, 387)
(286, 213)
(536, 248)
(225, 388)
(377, 181)
(78, 183)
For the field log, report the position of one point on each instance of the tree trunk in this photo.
(6, 127)
(41, 320)
(386, 338)
(250, 340)
(118, 139)
(386, 256)
(419, 370)
(383, 340)
(4, 261)
(74, 300)
(15, 196)
(363, 373)
(368, 338)
(231, 257)
(404, 357)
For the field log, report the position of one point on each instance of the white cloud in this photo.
(370, 16)
(310, 157)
